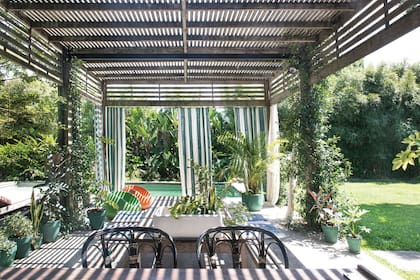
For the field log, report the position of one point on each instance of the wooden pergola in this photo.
(182, 53)
(133, 50)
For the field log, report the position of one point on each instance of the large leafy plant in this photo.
(248, 159)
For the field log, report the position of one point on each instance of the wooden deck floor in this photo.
(66, 251)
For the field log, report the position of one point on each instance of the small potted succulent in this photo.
(7, 250)
(18, 228)
(353, 229)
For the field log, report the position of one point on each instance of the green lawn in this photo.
(394, 216)
(394, 213)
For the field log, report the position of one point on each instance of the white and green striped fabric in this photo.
(273, 171)
(194, 143)
(115, 147)
(250, 121)
(99, 149)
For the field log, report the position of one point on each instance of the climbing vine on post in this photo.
(321, 165)
(81, 161)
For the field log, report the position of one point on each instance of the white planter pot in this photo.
(185, 226)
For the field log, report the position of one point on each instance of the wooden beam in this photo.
(184, 19)
(12, 6)
(148, 68)
(344, 7)
(181, 75)
(195, 81)
(63, 7)
(191, 24)
(263, 38)
(197, 103)
(177, 56)
(404, 25)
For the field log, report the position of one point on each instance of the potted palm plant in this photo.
(19, 229)
(353, 229)
(248, 160)
(7, 250)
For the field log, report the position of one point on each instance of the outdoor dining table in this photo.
(176, 273)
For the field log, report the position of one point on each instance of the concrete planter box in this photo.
(185, 226)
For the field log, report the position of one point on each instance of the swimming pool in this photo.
(174, 188)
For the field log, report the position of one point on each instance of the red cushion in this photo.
(4, 201)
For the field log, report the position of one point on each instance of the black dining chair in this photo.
(138, 247)
(240, 247)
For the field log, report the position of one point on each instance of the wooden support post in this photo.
(63, 108)
(308, 129)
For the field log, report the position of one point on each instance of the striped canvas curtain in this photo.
(273, 172)
(99, 148)
(194, 145)
(115, 147)
(250, 121)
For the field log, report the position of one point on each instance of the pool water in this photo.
(174, 189)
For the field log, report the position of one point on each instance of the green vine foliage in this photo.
(320, 163)
(81, 159)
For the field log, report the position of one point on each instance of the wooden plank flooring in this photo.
(66, 251)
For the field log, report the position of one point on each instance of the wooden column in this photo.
(308, 130)
(63, 108)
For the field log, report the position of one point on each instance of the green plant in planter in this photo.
(352, 227)
(19, 229)
(7, 250)
(205, 202)
(248, 159)
(37, 212)
(96, 212)
(53, 193)
(329, 215)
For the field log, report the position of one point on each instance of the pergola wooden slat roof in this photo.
(208, 42)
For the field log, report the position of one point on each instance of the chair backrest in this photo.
(240, 247)
(129, 247)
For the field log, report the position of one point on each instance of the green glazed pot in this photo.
(354, 244)
(254, 202)
(23, 246)
(330, 233)
(7, 257)
(96, 218)
(50, 231)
